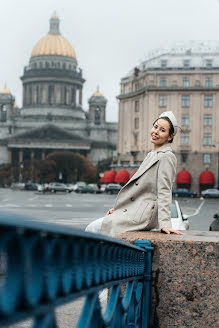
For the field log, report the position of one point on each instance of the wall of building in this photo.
(143, 98)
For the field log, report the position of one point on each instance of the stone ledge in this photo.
(185, 278)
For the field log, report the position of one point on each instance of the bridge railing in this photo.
(43, 266)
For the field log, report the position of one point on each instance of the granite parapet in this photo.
(184, 278)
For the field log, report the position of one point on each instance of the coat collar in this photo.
(164, 148)
(147, 163)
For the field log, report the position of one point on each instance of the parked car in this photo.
(210, 193)
(31, 186)
(17, 186)
(81, 189)
(214, 226)
(93, 189)
(58, 186)
(183, 192)
(103, 187)
(112, 188)
(178, 219)
(70, 186)
(79, 184)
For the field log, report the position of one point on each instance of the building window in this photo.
(186, 63)
(136, 106)
(185, 101)
(186, 82)
(51, 94)
(97, 116)
(135, 139)
(184, 157)
(208, 82)
(136, 123)
(163, 101)
(185, 119)
(136, 86)
(207, 138)
(208, 62)
(184, 138)
(207, 158)
(163, 82)
(208, 101)
(207, 119)
(163, 63)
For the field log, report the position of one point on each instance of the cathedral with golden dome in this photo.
(52, 117)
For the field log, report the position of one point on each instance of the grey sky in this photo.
(109, 37)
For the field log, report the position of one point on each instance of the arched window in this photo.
(63, 66)
(97, 116)
(47, 65)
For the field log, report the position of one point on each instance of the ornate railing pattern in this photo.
(44, 265)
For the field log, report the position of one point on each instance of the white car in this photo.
(178, 219)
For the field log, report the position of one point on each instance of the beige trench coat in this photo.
(144, 203)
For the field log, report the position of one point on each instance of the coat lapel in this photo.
(147, 163)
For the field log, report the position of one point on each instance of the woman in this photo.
(144, 203)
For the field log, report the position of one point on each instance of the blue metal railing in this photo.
(43, 266)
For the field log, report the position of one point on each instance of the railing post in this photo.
(146, 298)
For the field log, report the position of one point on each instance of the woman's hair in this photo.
(171, 131)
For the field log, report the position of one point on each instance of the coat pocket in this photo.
(144, 211)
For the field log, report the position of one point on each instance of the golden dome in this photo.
(5, 90)
(97, 93)
(54, 43)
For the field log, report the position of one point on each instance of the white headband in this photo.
(172, 119)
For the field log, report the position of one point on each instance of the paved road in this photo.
(78, 210)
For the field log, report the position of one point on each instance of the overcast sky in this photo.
(110, 37)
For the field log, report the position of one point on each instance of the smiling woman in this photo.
(144, 203)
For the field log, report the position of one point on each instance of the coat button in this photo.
(136, 183)
(125, 210)
(132, 199)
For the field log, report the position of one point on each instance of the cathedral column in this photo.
(43, 155)
(20, 156)
(9, 156)
(32, 155)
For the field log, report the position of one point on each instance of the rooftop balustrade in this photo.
(43, 266)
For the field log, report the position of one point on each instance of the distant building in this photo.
(52, 117)
(187, 83)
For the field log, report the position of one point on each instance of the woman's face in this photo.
(160, 133)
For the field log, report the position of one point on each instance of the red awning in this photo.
(122, 176)
(183, 177)
(206, 177)
(108, 177)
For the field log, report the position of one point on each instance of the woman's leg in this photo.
(95, 226)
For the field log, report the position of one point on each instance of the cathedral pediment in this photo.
(47, 133)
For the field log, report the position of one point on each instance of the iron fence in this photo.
(43, 266)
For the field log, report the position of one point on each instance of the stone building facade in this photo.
(187, 83)
(52, 117)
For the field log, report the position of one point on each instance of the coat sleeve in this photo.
(166, 176)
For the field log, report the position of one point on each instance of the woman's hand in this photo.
(110, 211)
(169, 230)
